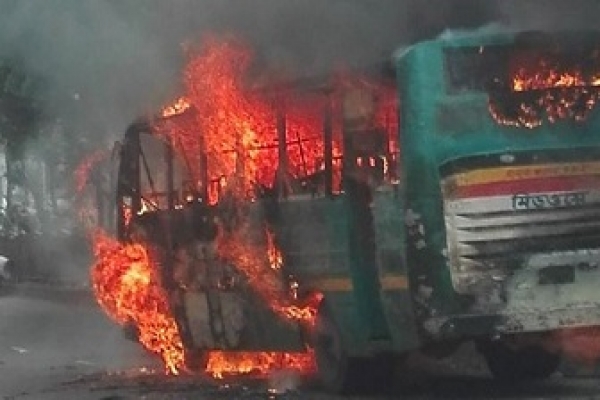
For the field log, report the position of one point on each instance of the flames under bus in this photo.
(476, 218)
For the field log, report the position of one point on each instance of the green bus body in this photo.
(439, 128)
(460, 247)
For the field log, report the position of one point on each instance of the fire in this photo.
(546, 87)
(178, 107)
(236, 129)
(236, 126)
(222, 363)
(127, 286)
(237, 248)
(275, 256)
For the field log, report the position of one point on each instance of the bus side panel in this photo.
(420, 83)
(313, 234)
(395, 296)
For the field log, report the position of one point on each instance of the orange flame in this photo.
(222, 363)
(236, 129)
(180, 106)
(553, 92)
(237, 248)
(275, 256)
(127, 286)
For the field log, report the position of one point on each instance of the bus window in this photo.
(371, 135)
(153, 176)
(531, 81)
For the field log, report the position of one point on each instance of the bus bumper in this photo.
(513, 322)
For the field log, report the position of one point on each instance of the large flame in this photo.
(236, 125)
(127, 285)
(236, 128)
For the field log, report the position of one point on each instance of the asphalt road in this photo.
(56, 344)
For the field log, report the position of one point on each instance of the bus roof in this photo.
(495, 35)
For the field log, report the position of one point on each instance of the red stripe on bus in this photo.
(539, 185)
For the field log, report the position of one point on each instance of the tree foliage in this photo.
(20, 109)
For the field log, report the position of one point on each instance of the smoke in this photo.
(106, 62)
(549, 14)
(99, 67)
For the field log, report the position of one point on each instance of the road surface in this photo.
(56, 344)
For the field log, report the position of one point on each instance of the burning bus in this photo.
(350, 220)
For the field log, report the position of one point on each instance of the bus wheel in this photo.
(526, 363)
(339, 373)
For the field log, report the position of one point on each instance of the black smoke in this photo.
(107, 61)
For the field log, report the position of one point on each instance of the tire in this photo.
(339, 373)
(518, 364)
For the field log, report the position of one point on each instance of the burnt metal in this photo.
(282, 168)
(328, 146)
(129, 185)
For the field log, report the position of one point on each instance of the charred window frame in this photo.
(488, 68)
(537, 79)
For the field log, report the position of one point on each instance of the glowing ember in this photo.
(275, 256)
(222, 363)
(542, 76)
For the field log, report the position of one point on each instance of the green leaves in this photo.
(20, 109)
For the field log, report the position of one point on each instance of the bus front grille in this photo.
(488, 239)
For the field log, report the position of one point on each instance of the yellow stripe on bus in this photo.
(390, 282)
(343, 284)
(508, 174)
(330, 284)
